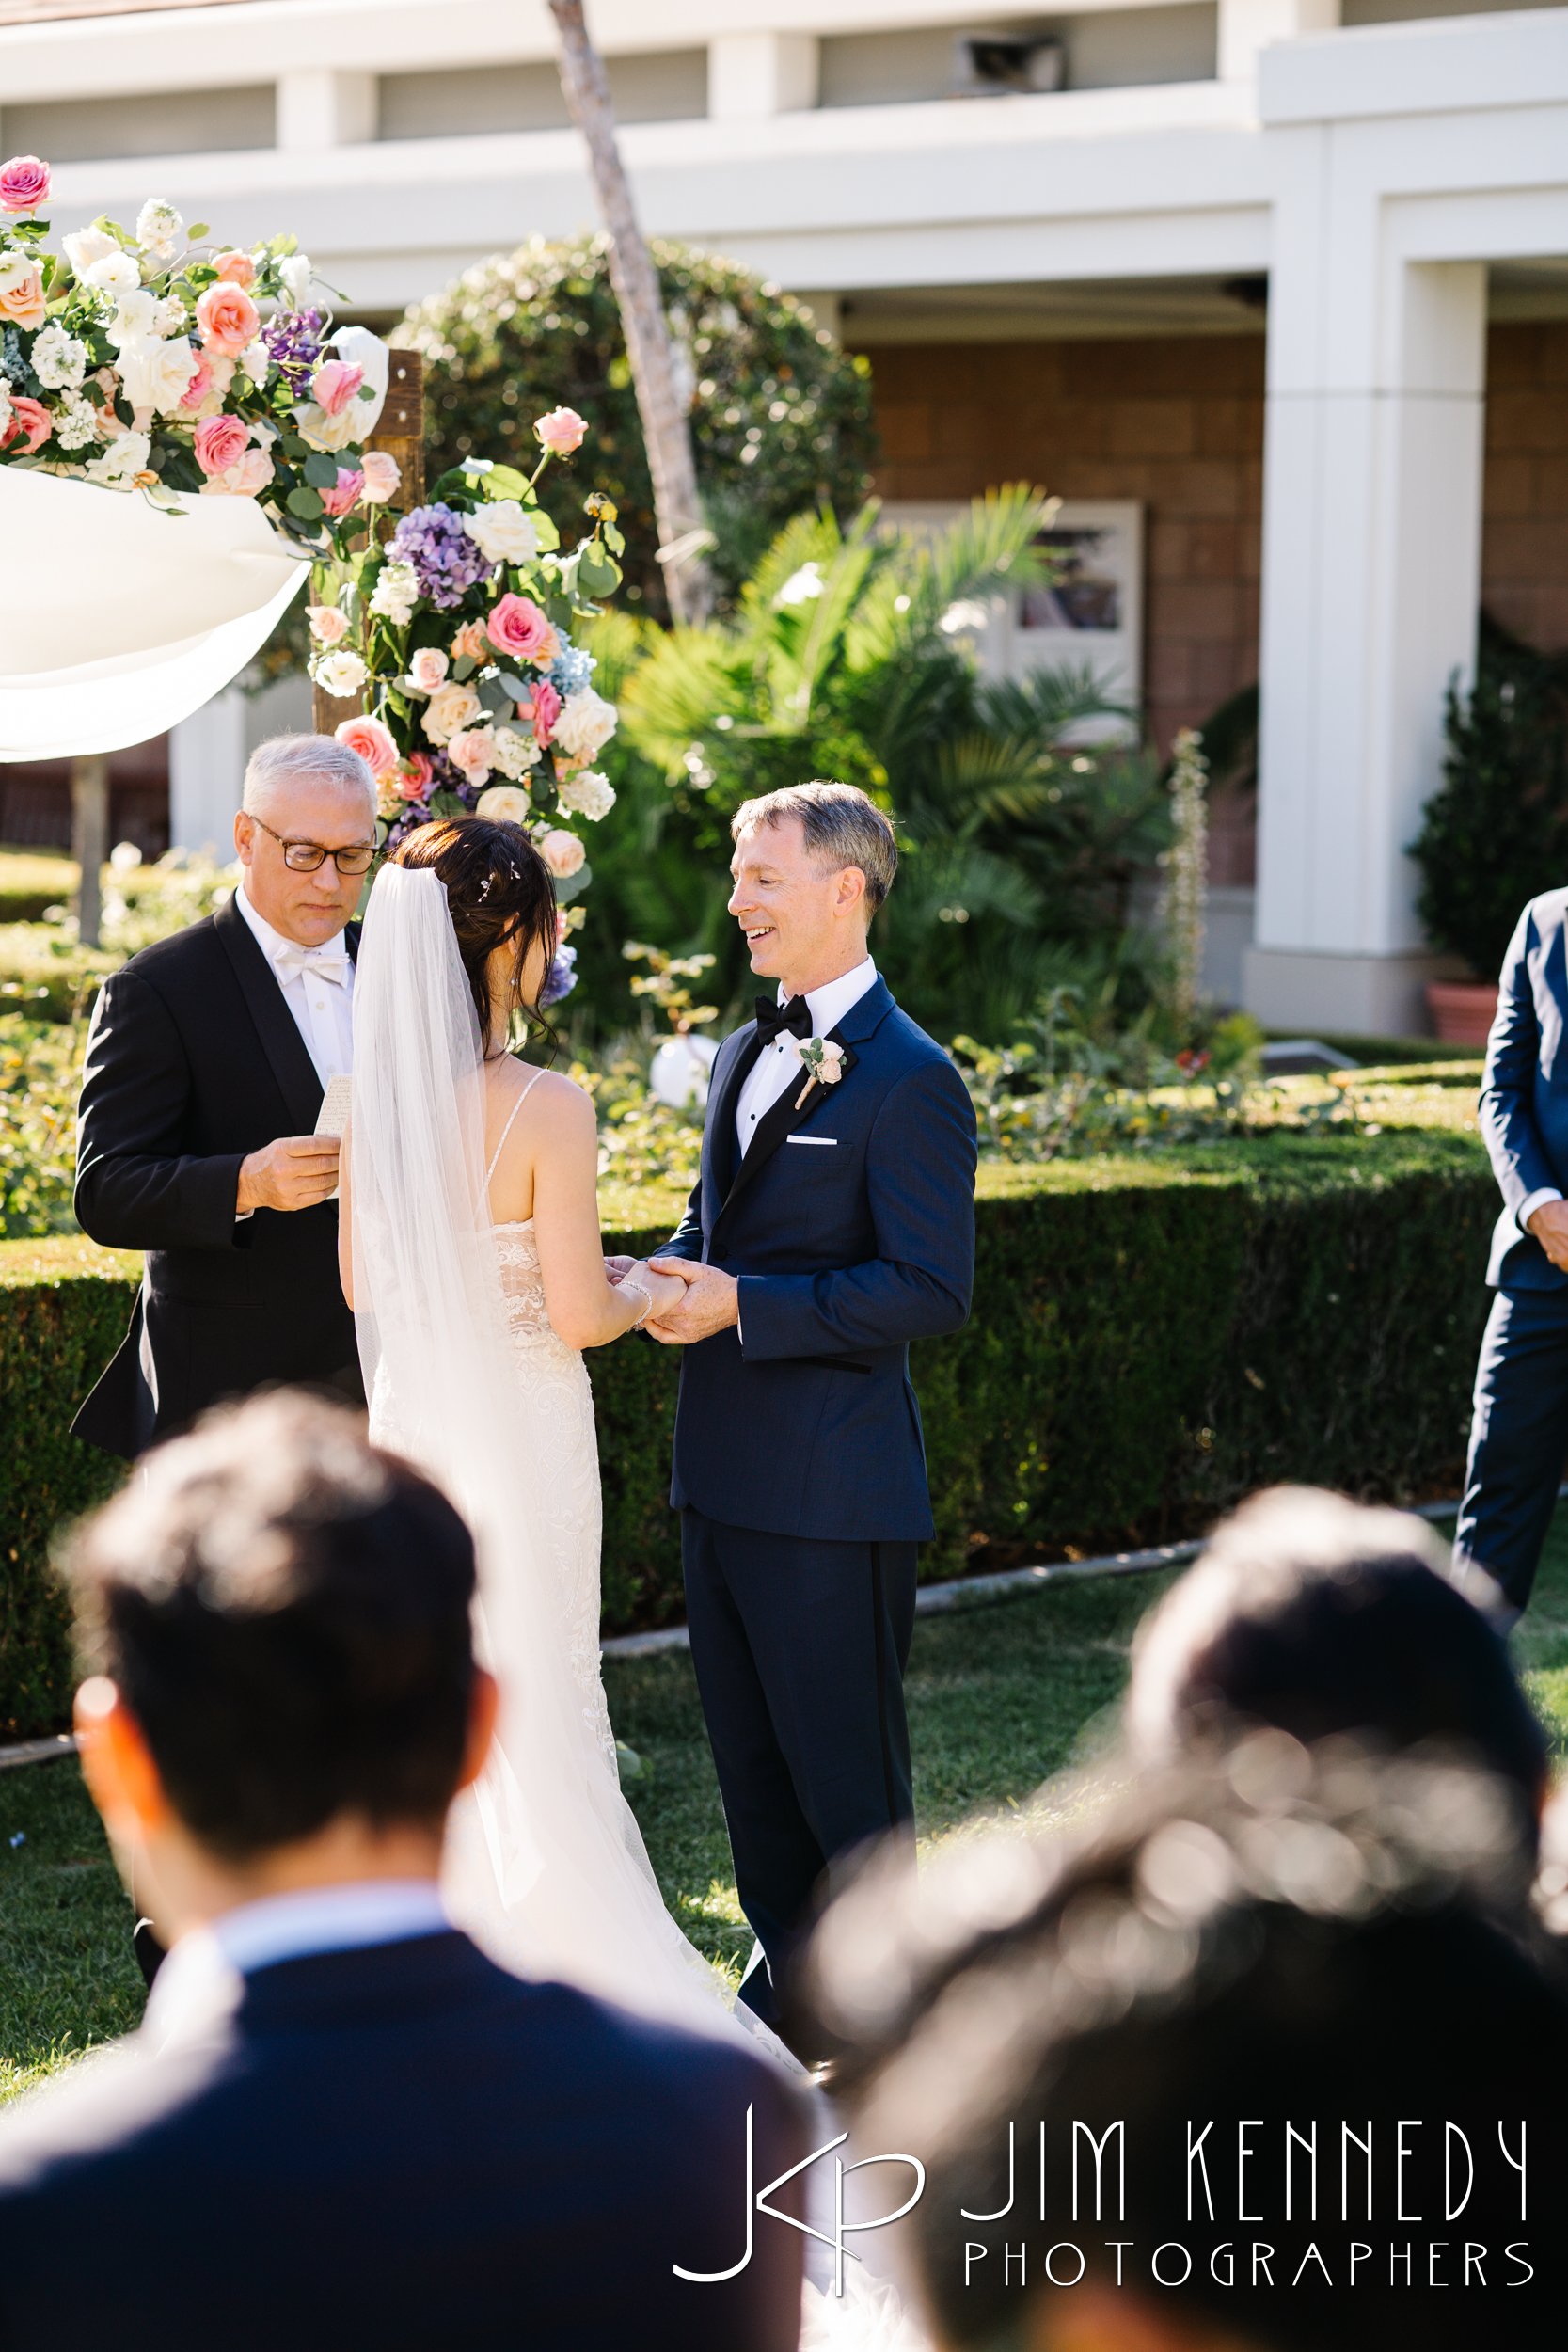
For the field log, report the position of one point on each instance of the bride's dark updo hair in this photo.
(498, 893)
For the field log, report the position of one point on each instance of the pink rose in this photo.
(29, 417)
(329, 624)
(419, 771)
(542, 712)
(220, 442)
(561, 432)
(235, 269)
(470, 645)
(474, 751)
(344, 493)
(227, 318)
(249, 474)
(22, 295)
(24, 184)
(517, 627)
(334, 385)
(428, 669)
(373, 742)
(383, 478)
(201, 383)
(564, 854)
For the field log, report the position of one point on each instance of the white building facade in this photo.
(1291, 250)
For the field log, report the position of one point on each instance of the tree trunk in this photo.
(668, 436)
(89, 841)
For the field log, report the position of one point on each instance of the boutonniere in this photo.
(823, 1063)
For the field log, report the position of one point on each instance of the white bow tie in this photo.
(333, 967)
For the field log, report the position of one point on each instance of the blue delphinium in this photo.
(571, 670)
(560, 979)
(447, 561)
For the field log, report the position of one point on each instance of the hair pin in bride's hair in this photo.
(484, 887)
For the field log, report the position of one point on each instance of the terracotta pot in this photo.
(1462, 1011)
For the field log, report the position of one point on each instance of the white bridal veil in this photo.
(547, 1866)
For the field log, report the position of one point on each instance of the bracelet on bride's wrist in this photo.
(638, 1292)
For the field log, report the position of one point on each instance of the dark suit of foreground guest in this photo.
(800, 1467)
(193, 1062)
(398, 2146)
(1519, 1432)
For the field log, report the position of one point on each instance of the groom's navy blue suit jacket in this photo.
(850, 1224)
(1523, 1102)
(401, 2148)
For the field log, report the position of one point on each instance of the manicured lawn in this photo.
(1001, 1697)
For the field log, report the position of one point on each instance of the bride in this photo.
(470, 1252)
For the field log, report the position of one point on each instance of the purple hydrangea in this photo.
(562, 979)
(447, 561)
(295, 339)
(414, 816)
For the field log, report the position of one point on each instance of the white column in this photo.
(206, 773)
(1248, 25)
(1371, 583)
(751, 74)
(318, 109)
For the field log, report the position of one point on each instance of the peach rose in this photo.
(334, 385)
(564, 854)
(383, 478)
(29, 417)
(248, 476)
(428, 669)
(561, 432)
(373, 742)
(227, 318)
(22, 301)
(328, 625)
(220, 442)
(517, 627)
(450, 709)
(474, 751)
(24, 184)
(235, 269)
(470, 644)
(344, 493)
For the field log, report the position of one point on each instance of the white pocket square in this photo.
(823, 1143)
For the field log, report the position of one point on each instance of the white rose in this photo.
(5, 402)
(135, 315)
(504, 803)
(320, 431)
(450, 709)
(14, 266)
(88, 246)
(588, 794)
(502, 532)
(396, 593)
(515, 754)
(77, 424)
(294, 275)
(255, 359)
(156, 374)
(115, 273)
(586, 723)
(427, 670)
(60, 362)
(340, 675)
(120, 464)
(159, 227)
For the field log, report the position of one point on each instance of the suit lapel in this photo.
(276, 1030)
(722, 1104)
(791, 1111)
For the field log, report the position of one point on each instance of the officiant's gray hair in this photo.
(842, 824)
(286, 759)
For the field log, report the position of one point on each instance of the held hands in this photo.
(1550, 1227)
(295, 1172)
(708, 1301)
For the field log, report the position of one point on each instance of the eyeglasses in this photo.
(305, 857)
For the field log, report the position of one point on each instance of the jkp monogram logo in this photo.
(757, 2201)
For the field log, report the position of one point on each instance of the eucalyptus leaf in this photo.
(448, 804)
(573, 885)
(320, 471)
(306, 505)
(464, 668)
(514, 686)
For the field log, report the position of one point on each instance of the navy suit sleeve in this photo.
(920, 1164)
(1519, 1156)
(135, 1187)
(686, 1239)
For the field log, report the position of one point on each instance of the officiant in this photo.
(208, 1059)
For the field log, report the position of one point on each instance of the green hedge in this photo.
(1149, 1342)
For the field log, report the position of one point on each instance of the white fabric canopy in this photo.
(117, 620)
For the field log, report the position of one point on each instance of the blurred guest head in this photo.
(1336, 1946)
(1320, 1617)
(283, 1688)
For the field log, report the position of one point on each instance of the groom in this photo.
(833, 1223)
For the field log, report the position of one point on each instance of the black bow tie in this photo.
(772, 1018)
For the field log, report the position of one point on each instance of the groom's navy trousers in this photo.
(799, 1465)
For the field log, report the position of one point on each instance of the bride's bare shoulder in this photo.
(556, 1103)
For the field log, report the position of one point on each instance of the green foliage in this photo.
(48, 975)
(32, 881)
(1495, 833)
(39, 1070)
(781, 418)
(1150, 1340)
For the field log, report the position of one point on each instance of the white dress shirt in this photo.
(318, 989)
(778, 1063)
(1537, 1200)
(203, 1976)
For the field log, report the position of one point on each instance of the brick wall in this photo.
(1524, 556)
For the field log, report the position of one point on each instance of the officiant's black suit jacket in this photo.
(399, 2148)
(193, 1060)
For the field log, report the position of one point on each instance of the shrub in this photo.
(781, 417)
(1149, 1342)
(32, 879)
(1495, 833)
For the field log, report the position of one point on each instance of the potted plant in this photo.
(1495, 835)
